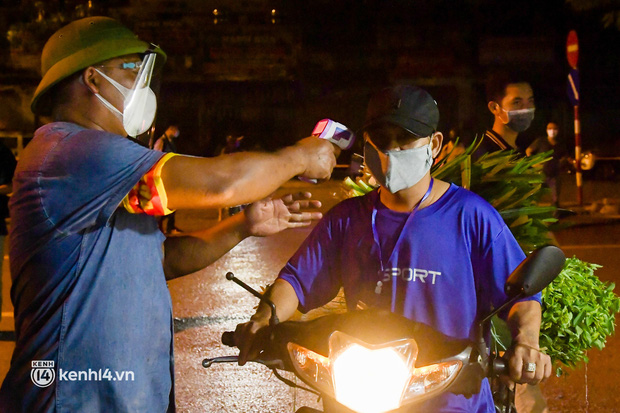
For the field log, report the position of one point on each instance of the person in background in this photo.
(233, 144)
(511, 102)
(510, 99)
(88, 269)
(166, 143)
(7, 167)
(551, 168)
(451, 149)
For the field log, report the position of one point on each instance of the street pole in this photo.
(572, 55)
(578, 157)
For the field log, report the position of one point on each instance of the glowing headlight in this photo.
(363, 377)
(367, 380)
(372, 378)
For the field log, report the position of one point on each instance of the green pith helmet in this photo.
(80, 44)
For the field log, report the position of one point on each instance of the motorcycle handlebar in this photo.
(228, 338)
(500, 367)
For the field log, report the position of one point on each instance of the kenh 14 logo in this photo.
(42, 373)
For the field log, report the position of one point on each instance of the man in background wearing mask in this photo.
(93, 314)
(511, 101)
(166, 143)
(419, 247)
(551, 168)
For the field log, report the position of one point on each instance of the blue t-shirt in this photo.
(88, 290)
(448, 268)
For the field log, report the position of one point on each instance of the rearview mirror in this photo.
(536, 272)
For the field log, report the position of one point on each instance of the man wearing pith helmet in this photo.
(93, 315)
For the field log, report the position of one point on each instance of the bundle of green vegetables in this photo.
(578, 309)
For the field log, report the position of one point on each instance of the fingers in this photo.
(300, 200)
(529, 365)
(242, 343)
(532, 372)
(516, 368)
(303, 219)
(299, 205)
(247, 341)
(319, 159)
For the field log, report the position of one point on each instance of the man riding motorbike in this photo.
(420, 247)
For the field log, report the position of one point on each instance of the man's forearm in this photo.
(524, 322)
(283, 295)
(228, 180)
(187, 254)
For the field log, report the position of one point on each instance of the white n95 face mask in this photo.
(140, 104)
(398, 170)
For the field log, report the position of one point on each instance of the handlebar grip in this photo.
(228, 338)
(500, 366)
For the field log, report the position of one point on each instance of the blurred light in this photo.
(369, 381)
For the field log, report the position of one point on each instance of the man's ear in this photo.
(90, 79)
(436, 142)
(494, 107)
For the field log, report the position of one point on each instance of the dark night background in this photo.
(269, 70)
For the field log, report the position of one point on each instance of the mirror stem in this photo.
(500, 308)
(274, 318)
(482, 344)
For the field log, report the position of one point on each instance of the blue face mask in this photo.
(519, 120)
(398, 169)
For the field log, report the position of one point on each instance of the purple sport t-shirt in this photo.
(88, 289)
(448, 267)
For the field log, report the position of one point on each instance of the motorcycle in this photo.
(350, 358)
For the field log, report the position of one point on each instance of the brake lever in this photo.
(206, 363)
(272, 364)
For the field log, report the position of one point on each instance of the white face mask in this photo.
(397, 170)
(139, 107)
(552, 133)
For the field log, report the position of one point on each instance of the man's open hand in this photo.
(270, 216)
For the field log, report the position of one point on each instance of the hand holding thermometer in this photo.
(336, 133)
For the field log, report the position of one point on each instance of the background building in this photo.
(269, 70)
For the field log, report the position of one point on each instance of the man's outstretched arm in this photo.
(193, 183)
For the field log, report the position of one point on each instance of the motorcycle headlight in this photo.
(428, 380)
(312, 367)
(371, 378)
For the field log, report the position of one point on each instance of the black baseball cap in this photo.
(407, 106)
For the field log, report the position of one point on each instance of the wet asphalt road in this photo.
(205, 305)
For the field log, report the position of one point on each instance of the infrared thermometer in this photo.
(335, 132)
